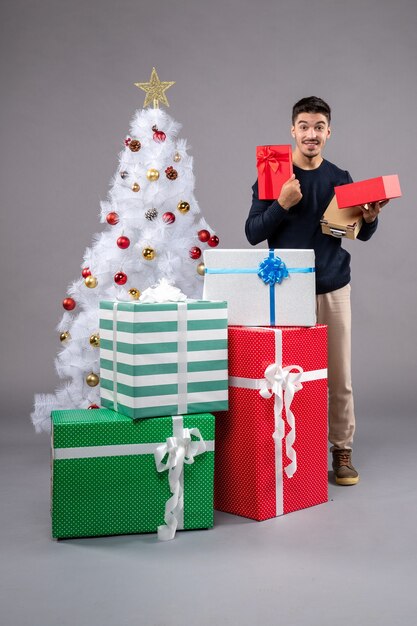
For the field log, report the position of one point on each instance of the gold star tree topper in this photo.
(155, 90)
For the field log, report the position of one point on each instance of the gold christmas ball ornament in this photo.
(152, 174)
(177, 157)
(135, 187)
(64, 336)
(91, 282)
(92, 380)
(148, 254)
(183, 206)
(95, 340)
(201, 269)
(134, 293)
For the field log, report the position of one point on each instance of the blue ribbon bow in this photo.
(272, 270)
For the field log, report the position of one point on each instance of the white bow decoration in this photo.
(180, 450)
(163, 291)
(283, 383)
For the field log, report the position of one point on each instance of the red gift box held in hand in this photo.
(365, 191)
(274, 165)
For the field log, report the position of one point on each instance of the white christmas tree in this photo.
(154, 230)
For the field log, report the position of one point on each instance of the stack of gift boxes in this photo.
(145, 461)
(271, 444)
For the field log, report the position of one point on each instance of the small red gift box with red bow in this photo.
(274, 165)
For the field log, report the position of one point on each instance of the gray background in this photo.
(67, 72)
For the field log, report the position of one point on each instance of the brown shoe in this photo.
(344, 472)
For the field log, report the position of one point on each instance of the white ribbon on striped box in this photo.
(181, 356)
(283, 383)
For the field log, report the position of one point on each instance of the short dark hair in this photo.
(311, 105)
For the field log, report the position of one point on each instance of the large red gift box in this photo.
(272, 459)
(371, 190)
(274, 165)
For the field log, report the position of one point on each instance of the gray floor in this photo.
(351, 561)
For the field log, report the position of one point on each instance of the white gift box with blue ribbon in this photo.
(274, 287)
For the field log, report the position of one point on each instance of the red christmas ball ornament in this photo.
(85, 272)
(168, 217)
(158, 135)
(94, 406)
(120, 278)
(123, 242)
(203, 235)
(195, 253)
(68, 304)
(112, 218)
(213, 241)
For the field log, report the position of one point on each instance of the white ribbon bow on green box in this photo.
(179, 449)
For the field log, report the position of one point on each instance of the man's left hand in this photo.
(371, 210)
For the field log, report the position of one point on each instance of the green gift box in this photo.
(163, 359)
(109, 478)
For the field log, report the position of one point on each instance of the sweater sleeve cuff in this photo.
(367, 230)
(277, 211)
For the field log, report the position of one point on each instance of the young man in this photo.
(293, 221)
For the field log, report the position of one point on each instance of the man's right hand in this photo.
(290, 193)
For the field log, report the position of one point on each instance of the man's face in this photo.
(310, 131)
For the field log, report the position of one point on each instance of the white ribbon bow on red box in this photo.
(283, 383)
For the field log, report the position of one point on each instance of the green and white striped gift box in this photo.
(163, 359)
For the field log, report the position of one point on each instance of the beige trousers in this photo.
(333, 309)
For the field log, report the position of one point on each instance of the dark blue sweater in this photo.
(299, 227)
